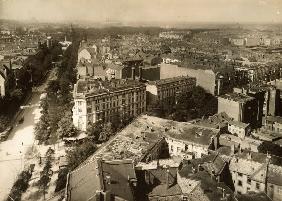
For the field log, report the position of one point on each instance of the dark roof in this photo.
(274, 119)
(208, 188)
(120, 172)
(237, 97)
(212, 163)
(193, 133)
(94, 86)
(83, 182)
(162, 190)
(253, 196)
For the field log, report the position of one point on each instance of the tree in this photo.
(4, 121)
(106, 132)
(80, 153)
(53, 86)
(20, 186)
(94, 130)
(66, 127)
(45, 175)
(42, 129)
(17, 94)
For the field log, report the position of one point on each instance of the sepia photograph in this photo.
(140, 100)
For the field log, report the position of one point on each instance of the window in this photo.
(257, 186)
(249, 180)
(240, 174)
(184, 198)
(280, 190)
(240, 183)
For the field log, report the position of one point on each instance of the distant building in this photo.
(49, 41)
(258, 173)
(239, 128)
(87, 54)
(252, 42)
(166, 90)
(65, 44)
(171, 35)
(240, 107)
(237, 41)
(215, 80)
(192, 141)
(96, 100)
(273, 123)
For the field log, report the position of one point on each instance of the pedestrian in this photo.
(22, 143)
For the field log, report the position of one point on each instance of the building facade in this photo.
(101, 100)
(240, 107)
(166, 90)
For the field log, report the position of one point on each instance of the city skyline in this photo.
(234, 11)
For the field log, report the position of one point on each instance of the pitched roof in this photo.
(120, 172)
(253, 196)
(83, 182)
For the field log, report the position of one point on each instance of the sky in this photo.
(237, 11)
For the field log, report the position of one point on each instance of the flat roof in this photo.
(238, 97)
(94, 86)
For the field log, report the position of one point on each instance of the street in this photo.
(21, 139)
(12, 151)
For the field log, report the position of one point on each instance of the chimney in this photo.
(249, 155)
(140, 72)
(133, 73)
(167, 179)
(233, 149)
(199, 165)
(108, 179)
(107, 196)
(223, 193)
(10, 63)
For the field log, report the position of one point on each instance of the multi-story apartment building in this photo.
(166, 90)
(240, 107)
(257, 172)
(96, 100)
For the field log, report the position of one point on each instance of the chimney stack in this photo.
(249, 155)
(133, 73)
(167, 179)
(233, 149)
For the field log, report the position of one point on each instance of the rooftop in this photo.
(99, 175)
(88, 87)
(216, 121)
(171, 80)
(238, 97)
(206, 187)
(274, 119)
(253, 196)
(83, 182)
(239, 124)
(192, 133)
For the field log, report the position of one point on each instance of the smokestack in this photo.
(167, 179)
